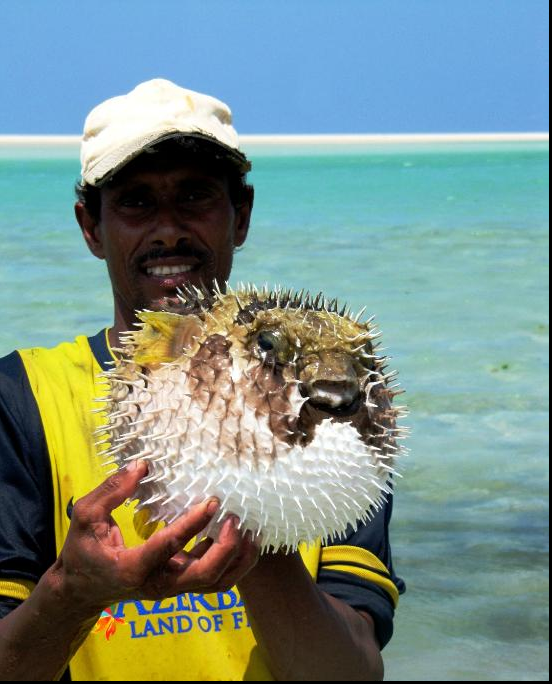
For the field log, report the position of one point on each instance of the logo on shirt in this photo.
(107, 623)
(183, 614)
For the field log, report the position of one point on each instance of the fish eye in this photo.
(266, 341)
(272, 341)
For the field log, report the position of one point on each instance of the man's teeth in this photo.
(168, 270)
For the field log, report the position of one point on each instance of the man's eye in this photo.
(195, 196)
(134, 202)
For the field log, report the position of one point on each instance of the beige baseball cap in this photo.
(121, 128)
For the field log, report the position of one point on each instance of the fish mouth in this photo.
(341, 411)
(329, 381)
(336, 394)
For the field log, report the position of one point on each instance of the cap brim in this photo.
(106, 168)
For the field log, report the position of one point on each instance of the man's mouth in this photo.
(164, 271)
(168, 277)
(178, 269)
(170, 266)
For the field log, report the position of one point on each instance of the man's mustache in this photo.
(185, 250)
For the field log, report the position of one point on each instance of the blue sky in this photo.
(285, 66)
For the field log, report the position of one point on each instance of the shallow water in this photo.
(449, 248)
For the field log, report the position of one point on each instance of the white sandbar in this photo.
(285, 144)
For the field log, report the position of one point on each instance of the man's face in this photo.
(164, 222)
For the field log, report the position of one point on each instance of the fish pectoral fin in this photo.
(164, 336)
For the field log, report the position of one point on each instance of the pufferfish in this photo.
(270, 400)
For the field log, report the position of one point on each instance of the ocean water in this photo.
(448, 247)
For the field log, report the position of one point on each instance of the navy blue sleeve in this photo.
(354, 589)
(27, 543)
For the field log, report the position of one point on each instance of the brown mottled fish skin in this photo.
(273, 401)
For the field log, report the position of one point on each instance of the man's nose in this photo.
(171, 223)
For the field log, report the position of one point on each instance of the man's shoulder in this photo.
(40, 387)
(24, 370)
(71, 349)
(15, 392)
(82, 350)
(10, 362)
(11, 367)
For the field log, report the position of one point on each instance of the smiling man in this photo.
(164, 200)
(172, 216)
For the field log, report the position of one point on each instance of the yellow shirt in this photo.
(189, 637)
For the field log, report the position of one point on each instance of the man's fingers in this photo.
(111, 493)
(201, 547)
(181, 572)
(165, 543)
(207, 569)
(247, 558)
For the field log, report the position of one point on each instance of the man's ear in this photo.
(90, 230)
(243, 218)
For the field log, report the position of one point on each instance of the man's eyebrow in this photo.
(199, 184)
(143, 185)
(129, 185)
(210, 181)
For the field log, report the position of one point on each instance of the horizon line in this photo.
(312, 138)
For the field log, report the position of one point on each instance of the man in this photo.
(164, 201)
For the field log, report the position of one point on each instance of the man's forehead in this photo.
(149, 167)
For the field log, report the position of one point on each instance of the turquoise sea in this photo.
(448, 246)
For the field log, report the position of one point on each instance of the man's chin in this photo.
(169, 298)
(164, 303)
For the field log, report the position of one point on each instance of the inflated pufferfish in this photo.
(269, 400)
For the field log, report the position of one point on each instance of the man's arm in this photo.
(38, 638)
(304, 633)
(95, 569)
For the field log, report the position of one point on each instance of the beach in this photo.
(445, 239)
(284, 143)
